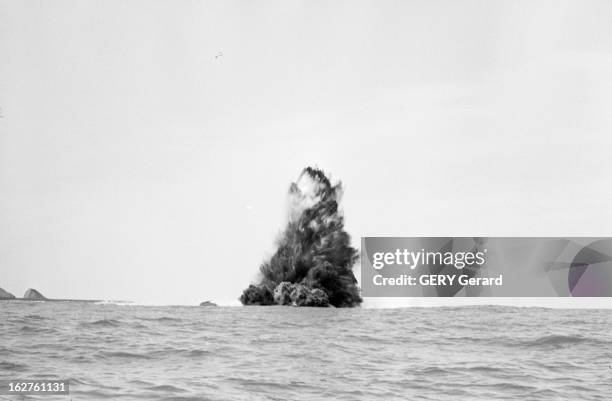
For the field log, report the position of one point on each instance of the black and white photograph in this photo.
(206, 200)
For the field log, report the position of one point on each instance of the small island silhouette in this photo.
(34, 295)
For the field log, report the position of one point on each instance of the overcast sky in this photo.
(146, 147)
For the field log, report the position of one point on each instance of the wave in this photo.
(32, 329)
(74, 380)
(177, 352)
(558, 341)
(167, 388)
(164, 319)
(197, 352)
(122, 354)
(102, 323)
(12, 366)
(35, 317)
(155, 354)
(95, 394)
(555, 341)
(432, 370)
(483, 369)
(510, 386)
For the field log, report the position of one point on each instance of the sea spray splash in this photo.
(313, 263)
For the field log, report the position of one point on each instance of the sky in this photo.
(146, 147)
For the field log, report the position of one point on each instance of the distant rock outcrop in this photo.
(208, 303)
(33, 294)
(6, 294)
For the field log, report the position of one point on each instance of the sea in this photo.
(181, 353)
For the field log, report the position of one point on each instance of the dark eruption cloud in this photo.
(313, 264)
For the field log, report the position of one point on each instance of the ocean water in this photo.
(111, 352)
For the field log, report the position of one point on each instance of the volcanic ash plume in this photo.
(313, 263)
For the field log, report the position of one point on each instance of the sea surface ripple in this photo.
(112, 352)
